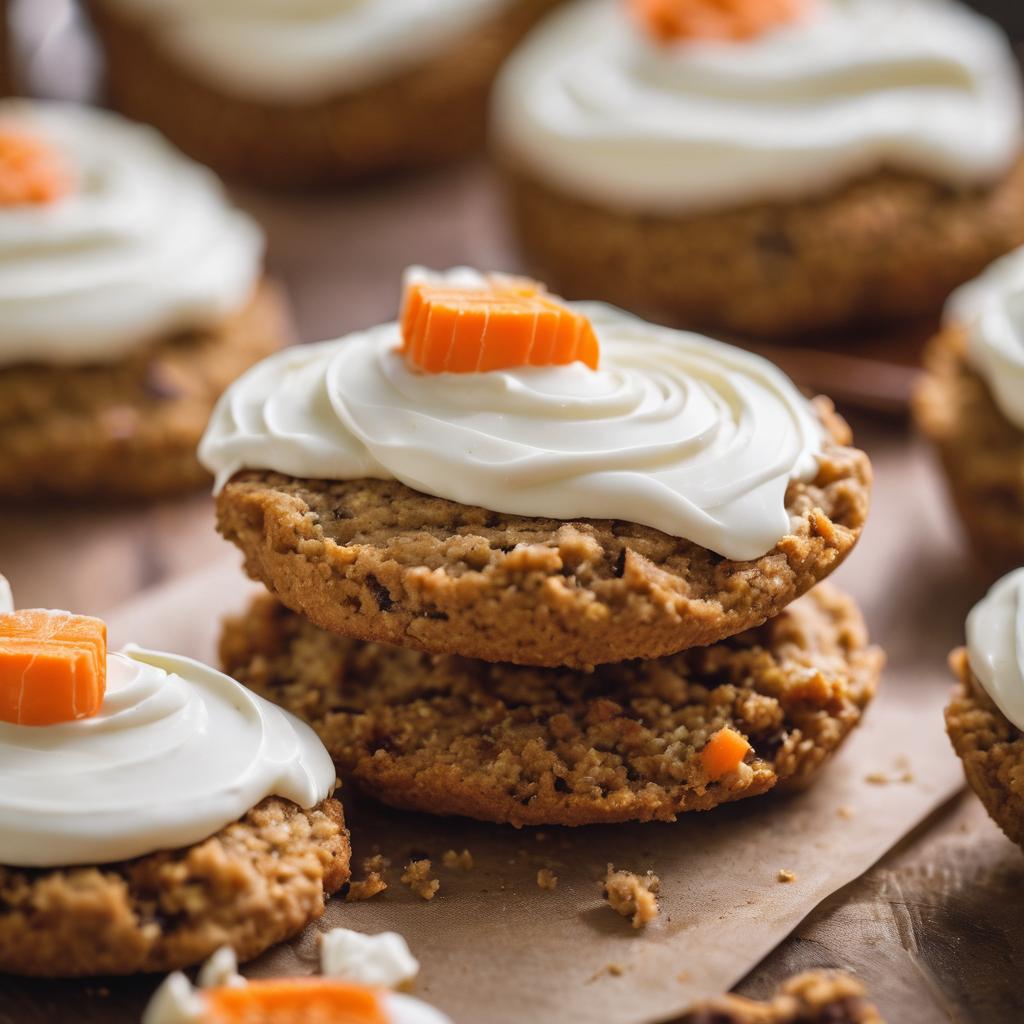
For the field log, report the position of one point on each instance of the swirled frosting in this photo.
(995, 645)
(145, 245)
(991, 310)
(177, 752)
(593, 106)
(675, 431)
(291, 51)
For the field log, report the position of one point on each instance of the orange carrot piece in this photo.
(671, 20)
(53, 667)
(294, 1001)
(32, 172)
(514, 322)
(724, 753)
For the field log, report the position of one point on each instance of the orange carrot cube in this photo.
(53, 667)
(32, 172)
(514, 322)
(723, 753)
(670, 20)
(294, 1001)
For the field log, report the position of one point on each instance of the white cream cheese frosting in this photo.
(146, 244)
(995, 645)
(593, 106)
(675, 431)
(294, 51)
(177, 752)
(991, 310)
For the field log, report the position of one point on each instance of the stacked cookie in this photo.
(542, 563)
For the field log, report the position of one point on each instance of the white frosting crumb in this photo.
(220, 971)
(175, 1002)
(6, 597)
(379, 960)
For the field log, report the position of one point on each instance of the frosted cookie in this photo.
(287, 95)
(985, 719)
(131, 294)
(808, 166)
(637, 741)
(970, 404)
(621, 490)
(815, 997)
(153, 809)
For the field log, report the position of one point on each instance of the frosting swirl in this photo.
(675, 431)
(995, 645)
(177, 752)
(291, 51)
(144, 246)
(991, 310)
(594, 106)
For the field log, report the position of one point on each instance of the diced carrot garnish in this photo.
(512, 322)
(293, 1001)
(31, 170)
(53, 667)
(723, 753)
(670, 20)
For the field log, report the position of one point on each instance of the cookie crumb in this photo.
(907, 777)
(417, 877)
(615, 970)
(546, 878)
(365, 889)
(461, 861)
(877, 779)
(785, 875)
(845, 812)
(632, 895)
(377, 864)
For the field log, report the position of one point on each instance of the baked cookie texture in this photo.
(991, 748)
(982, 452)
(376, 560)
(434, 113)
(450, 735)
(128, 429)
(815, 997)
(884, 248)
(250, 886)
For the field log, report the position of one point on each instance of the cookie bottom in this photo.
(449, 735)
(883, 249)
(815, 997)
(433, 113)
(128, 430)
(250, 886)
(991, 748)
(982, 452)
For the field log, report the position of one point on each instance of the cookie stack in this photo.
(544, 564)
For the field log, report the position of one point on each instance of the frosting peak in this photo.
(145, 245)
(995, 645)
(675, 431)
(177, 752)
(593, 106)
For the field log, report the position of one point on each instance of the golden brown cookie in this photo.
(250, 886)
(376, 560)
(991, 748)
(885, 248)
(127, 429)
(435, 112)
(815, 997)
(526, 746)
(981, 450)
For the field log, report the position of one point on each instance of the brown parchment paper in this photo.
(495, 947)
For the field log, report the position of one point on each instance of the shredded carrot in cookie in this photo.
(671, 20)
(294, 1001)
(724, 753)
(32, 172)
(53, 667)
(514, 322)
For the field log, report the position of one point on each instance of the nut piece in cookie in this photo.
(550, 484)
(97, 875)
(816, 997)
(448, 735)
